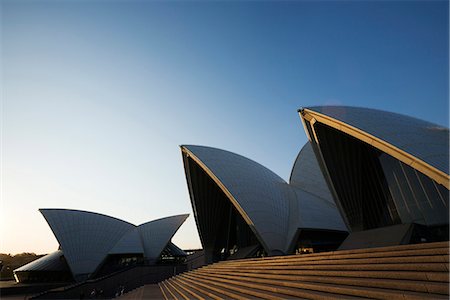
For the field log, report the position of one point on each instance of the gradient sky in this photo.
(98, 95)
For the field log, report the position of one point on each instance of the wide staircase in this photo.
(418, 271)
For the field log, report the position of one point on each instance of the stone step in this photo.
(248, 293)
(189, 292)
(215, 288)
(267, 289)
(170, 292)
(375, 260)
(428, 267)
(395, 284)
(406, 275)
(278, 286)
(176, 290)
(164, 292)
(404, 254)
(358, 251)
(401, 272)
(203, 291)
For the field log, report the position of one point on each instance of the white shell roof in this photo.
(129, 243)
(306, 174)
(427, 141)
(318, 213)
(275, 208)
(49, 262)
(257, 190)
(158, 233)
(87, 238)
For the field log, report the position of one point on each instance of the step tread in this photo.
(333, 288)
(193, 285)
(411, 285)
(247, 292)
(291, 292)
(175, 291)
(170, 294)
(233, 295)
(440, 252)
(187, 289)
(358, 251)
(418, 271)
(374, 260)
(434, 267)
(407, 275)
(160, 284)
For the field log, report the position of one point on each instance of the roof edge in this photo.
(407, 158)
(230, 196)
(41, 210)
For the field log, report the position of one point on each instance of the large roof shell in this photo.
(313, 206)
(158, 233)
(87, 238)
(307, 175)
(273, 209)
(316, 212)
(420, 144)
(49, 262)
(256, 192)
(130, 242)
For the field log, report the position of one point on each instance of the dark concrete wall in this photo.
(130, 279)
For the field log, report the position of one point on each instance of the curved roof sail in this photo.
(85, 237)
(158, 233)
(257, 193)
(130, 242)
(272, 208)
(307, 175)
(417, 143)
(49, 262)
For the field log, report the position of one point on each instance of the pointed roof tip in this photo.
(183, 216)
(187, 146)
(42, 210)
(200, 146)
(193, 149)
(174, 216)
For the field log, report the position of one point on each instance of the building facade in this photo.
(383, 169)
(92, 244)
(383, 177)
(243, 209)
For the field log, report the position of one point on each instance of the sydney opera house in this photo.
(92, 244)
(366, 178)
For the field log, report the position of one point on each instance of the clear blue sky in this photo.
(97, 95)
